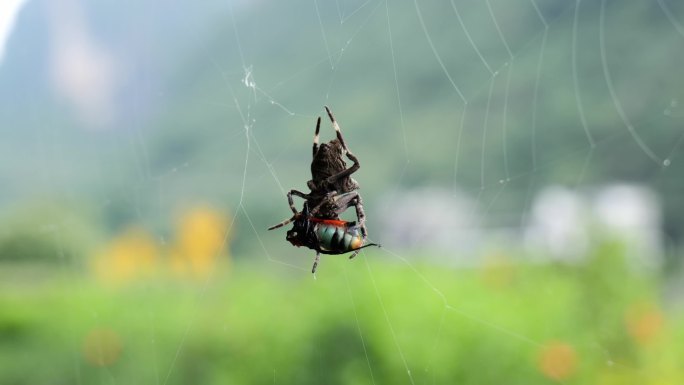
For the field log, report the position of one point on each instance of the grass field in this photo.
(373, 320)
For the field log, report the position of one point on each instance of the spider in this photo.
(333, 190)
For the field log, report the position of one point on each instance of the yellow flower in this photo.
(201, 236)
(129, 255)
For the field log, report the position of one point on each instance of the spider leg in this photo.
(343, 174)
(318, 258)
(336, 126)
(352, 198)
(315, 140)
(292, 207)
(342, 201)
(283, 223)
(291, 202)
(326, 199)
(360, 215)
(351, 156)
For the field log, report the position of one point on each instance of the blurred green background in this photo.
(521, 163)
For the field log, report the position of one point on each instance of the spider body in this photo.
(332, 191)
(326, 164)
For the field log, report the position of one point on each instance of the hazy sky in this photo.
(8, 12)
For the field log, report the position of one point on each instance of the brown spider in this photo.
(333, 190)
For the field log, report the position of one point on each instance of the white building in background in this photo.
(561, 224)
(632, 213)
(558, 224)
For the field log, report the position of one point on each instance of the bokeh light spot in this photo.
(557, 360)
(644, 322)
(200, 237)
(129, 255)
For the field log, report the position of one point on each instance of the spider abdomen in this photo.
(338, 239)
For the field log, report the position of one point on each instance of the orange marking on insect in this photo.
(333, 222)
(356, 243)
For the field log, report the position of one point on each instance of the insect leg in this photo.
(318, 258)
(356, 252)
(315, 140)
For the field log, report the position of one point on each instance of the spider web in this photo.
(451, 109)
(477, 112)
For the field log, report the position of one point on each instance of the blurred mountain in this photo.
(217, 102)
(67, 124)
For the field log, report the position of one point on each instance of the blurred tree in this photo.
(46, 234)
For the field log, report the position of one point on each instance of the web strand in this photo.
(504, 124)
(540, 63)
(484, 134)
(470, 38)
(616, 101)
(498, 30)
(671, 17)
(435, 53)
(575, 77)
(325, 39)
(389, 323)
(396, 79)
(358, 326)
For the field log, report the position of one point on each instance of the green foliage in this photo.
(358, 322)
(46, 234)
(27, 246)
